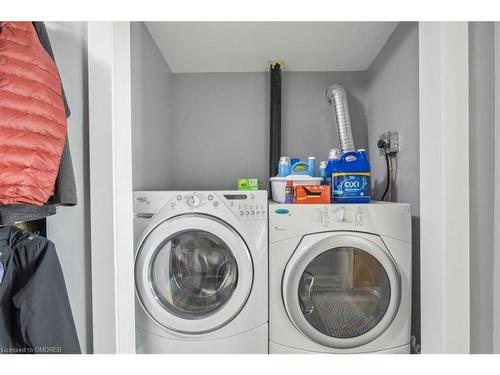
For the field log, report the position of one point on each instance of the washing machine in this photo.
(201, 271)
(340, 278)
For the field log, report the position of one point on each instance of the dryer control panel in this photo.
(292, 220)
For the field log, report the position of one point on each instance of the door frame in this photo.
(444, 187)
(496, 250)
(110, 148)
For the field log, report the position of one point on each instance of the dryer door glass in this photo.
(344, 292)
(193, 274)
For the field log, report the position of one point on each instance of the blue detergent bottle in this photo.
(299, 167)
(350, 178)
(331, 166)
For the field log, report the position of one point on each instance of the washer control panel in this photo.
(194, 200)
(244, 205)
(328, 215)
(247, 205)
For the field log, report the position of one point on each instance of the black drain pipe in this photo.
(275, 69)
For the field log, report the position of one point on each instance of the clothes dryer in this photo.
(340, 278)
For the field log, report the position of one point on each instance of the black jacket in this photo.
(35, 314)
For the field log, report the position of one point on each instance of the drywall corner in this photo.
(151, 112)
(392, 103)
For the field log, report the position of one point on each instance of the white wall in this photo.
(496, 201)
(219, 130)
(151, 112)
(392, 103)
(204, 130)
(221, 124)
(70, 229)
(481, 149)
(308, 125)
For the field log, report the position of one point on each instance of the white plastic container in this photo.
(278, 184)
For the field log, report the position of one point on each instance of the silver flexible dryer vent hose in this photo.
(338, 98)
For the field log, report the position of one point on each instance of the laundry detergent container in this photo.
(349, 178)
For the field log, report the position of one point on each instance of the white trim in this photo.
(444, 187)
(111, 187)
(496, 250)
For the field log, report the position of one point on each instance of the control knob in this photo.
(193, 201)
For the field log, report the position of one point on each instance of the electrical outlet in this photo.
(392, 140)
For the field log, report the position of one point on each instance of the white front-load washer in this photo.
(340, 278)
(201, 271)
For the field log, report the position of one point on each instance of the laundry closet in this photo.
(201, 103)
(169, 248)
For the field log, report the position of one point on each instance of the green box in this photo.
(248, 184)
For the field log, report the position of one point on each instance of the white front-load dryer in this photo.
(201, 271)
(340, 278)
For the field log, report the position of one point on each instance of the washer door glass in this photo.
(193, 274)
(344, 292)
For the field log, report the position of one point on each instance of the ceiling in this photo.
(192, 47)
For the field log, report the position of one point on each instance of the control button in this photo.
(341, 214)
(179, 197)
(252, 196)
(216, 204)
(324, 219)
(253, 212)
(193, 201)
(247, 213)
(241, 213)
(210, 197)
(258, 212)
(172, 204)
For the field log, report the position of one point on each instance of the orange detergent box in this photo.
(310, 194)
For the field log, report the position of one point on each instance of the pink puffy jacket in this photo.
(32, 117)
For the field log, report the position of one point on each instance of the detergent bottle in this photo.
(350, 178)
(331, 166)
(299, 167)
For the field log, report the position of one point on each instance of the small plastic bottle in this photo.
(284, 167)
(289, 192)
(311, 168)
(322, 171)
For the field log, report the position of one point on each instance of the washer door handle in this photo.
(305, 287)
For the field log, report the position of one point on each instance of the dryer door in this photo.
(341, 289)
(193, 273)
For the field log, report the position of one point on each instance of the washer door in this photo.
(341, 290)
(193, 273)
